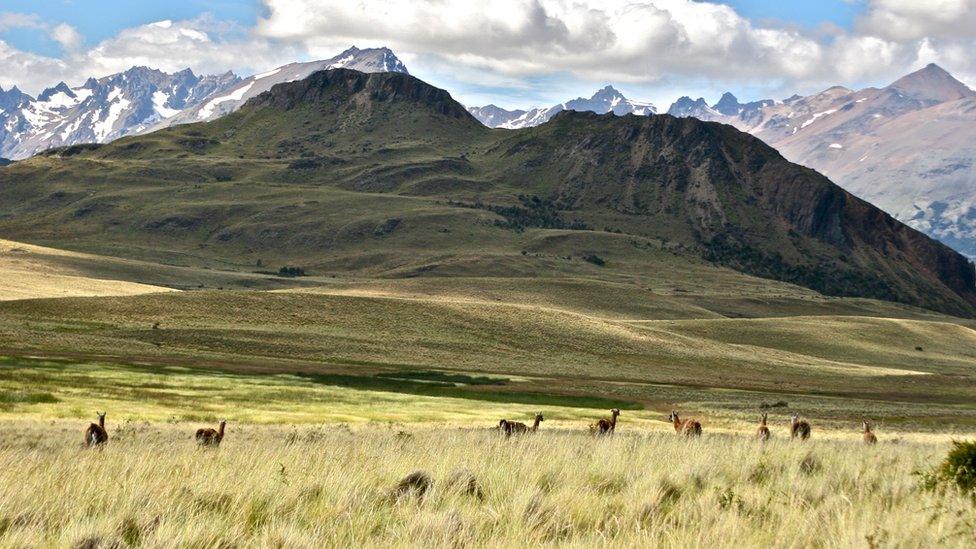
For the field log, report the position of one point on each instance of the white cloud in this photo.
(917, 19)
(204, 45)
(519, 45)
(14, 20)
(28, 71)
(67, 36)
(634, 41)
(617, 39)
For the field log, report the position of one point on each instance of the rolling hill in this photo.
(382, 175)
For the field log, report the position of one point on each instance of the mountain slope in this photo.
(603, 101)
(909, 148)
(382, 174)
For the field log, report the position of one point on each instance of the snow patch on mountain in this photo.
(208, 109)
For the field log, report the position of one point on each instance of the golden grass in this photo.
(28, 272)
(287, 486)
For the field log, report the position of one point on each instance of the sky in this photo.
(514, 53)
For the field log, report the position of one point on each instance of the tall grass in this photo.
(329, 485)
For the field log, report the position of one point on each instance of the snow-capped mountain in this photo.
(728, 106)
(693, 108)
(606, 100)
(140, 100)
(99, 110)
(909, 148)
(230, 99)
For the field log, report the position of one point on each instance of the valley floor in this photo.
(336, 388)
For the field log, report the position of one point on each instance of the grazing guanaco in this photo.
(869, 437)
(799, 428)
(95, 434)
(688, 427)
(762, 433)
(211, 437)
(517, 427)
(605, 426)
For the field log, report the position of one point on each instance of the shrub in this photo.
(291, 271)
(959, 466)
(594, 259)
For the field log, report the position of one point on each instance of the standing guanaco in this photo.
(688, 427)
(605, 426)
(211, 437)
(799, 428)
(95, 434)
(762, 433)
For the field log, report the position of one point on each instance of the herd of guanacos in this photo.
(96, 435)
(688, 427)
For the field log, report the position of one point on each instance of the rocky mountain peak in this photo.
(688, 107)
(47, 94)
(728, 105)
(931, 84)
(357, 87)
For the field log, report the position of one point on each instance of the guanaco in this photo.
(605, 426)
(688, 427)
(762, 433)
(211, 437)
(517, 427)
(799, 428)
(95, 434)
(869, 437)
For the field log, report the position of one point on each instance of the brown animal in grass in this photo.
(211, 437)
(606, 426)
(688, 427)
(762, 433)
(799, 428)
(95, 434)
(517, 427)
(869, 437)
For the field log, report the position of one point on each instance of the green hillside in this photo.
(347, 174)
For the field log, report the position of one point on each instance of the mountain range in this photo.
(140, 100)
(605, 100)
(385, 175)
(99, 110)
(909, 147)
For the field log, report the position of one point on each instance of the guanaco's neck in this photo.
(536, 424)
(220, 432)
(101, 421)
(613, 420)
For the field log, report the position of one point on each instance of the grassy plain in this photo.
(337, 389)
(328, 485)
